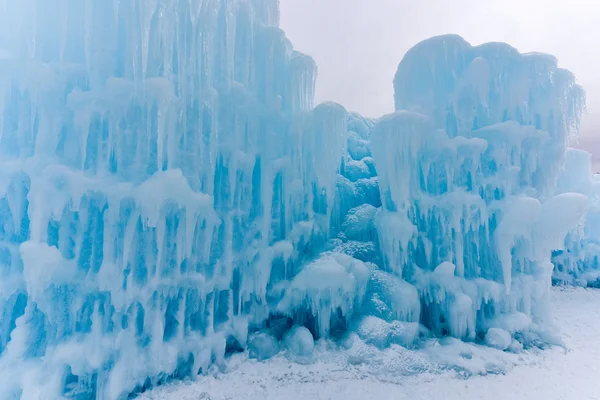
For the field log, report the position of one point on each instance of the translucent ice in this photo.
(300, 343)
(163, 172)
(498, 338)
(578, 261)
(381, 334)
(263, 346)
(467, 169)
(333, 285)
(168, 189)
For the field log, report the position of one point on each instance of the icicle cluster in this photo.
(161, 167)
(467, 169)
(578, 263)
(168, 187)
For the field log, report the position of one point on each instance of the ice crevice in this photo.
(170, 193)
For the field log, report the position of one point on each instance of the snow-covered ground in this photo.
(399, 374)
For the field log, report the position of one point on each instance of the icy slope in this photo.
(170, 194)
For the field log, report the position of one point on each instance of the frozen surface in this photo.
(262, 346)
(300, 343)
(498, 338)
(468, 169)
(170, 195)
(578, 261)
(393, 374)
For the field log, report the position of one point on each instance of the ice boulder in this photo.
(404, 333)
(361, 125)
(467, 167)
(332, 285)
(515, 346)
(359, 223)
(374, 331)
(263, 346)
(382, 334)
(391, 298)
(511, 322)
(299, 342)
(370, 163)
(498, 338)
(363, 251)
(355, 170)
(358, 147)
(367, 191)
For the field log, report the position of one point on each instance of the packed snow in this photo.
(170, 195)
(561, 373)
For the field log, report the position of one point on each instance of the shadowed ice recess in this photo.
(169, 194)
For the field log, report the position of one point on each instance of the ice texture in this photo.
(169, 193)
(468, 169)
(300, 343)
(164, 176)
(262, 346)
(498, 338)
(578, 261)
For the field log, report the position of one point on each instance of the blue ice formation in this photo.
(578, 263)
(170, 194)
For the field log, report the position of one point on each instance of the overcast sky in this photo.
(358, 44)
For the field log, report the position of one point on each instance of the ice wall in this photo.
(168, 187)
(467, 170)
(578, 263)
(163, 175)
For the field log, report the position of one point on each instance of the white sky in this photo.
(358, 44)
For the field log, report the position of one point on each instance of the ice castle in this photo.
(168, 188)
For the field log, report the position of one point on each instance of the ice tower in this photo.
(168, 187)
(468, 167)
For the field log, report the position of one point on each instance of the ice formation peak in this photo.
(493, 82)
(169, 188)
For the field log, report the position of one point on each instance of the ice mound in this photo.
(334, 285)
(391, 298)
(382, 334)
(300, 343)
(263, 346)
(169, 194)
(498, 338)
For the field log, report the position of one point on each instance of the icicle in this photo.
(3, 93)
(147, 13)
(160, 244)
(209, 130)
(130, 229)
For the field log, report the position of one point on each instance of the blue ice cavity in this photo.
(168, 189)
